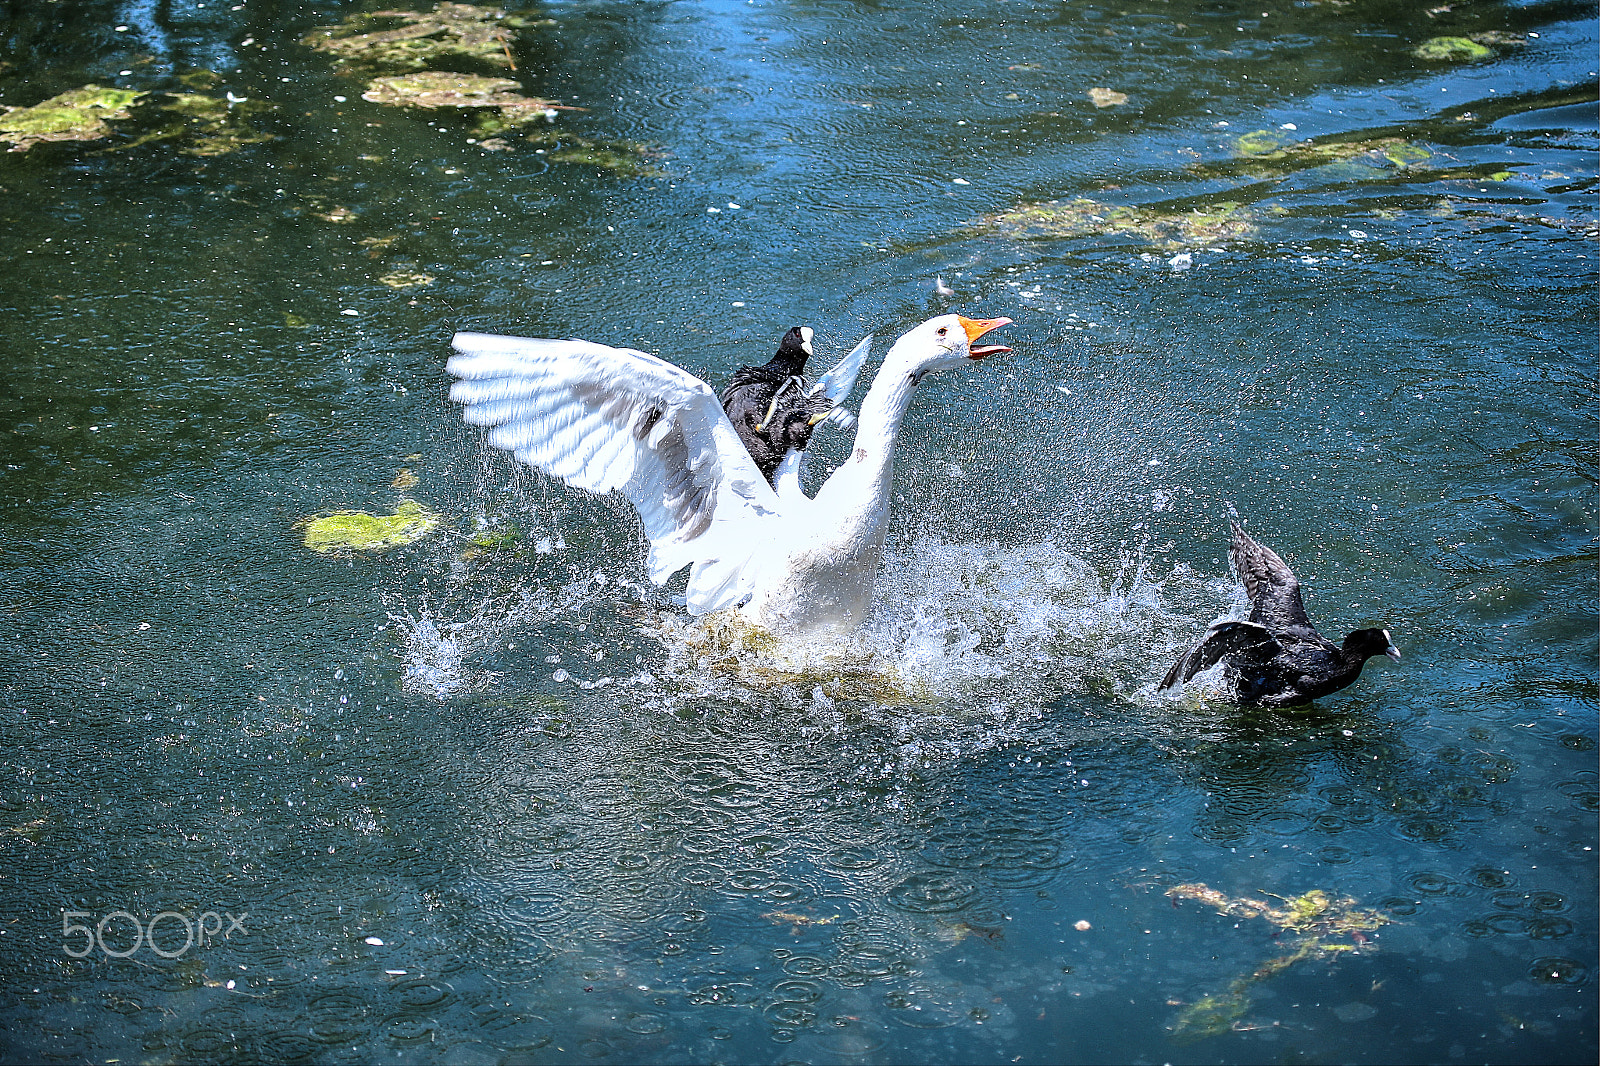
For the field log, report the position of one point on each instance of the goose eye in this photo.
(943, 330)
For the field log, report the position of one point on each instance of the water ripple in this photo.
(932, 893)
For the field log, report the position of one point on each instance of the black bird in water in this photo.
(770, 406)
(1277, 658)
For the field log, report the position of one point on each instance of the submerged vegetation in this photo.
(1324, 927)
(725, 644)
(205, 125)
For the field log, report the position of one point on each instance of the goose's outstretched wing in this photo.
(609, 419)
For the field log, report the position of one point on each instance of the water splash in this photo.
(1027, 621)
(963, 630)
(439, 657)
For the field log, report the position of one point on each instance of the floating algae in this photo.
(211, 125)
(1268, 154)
(1269, 144)
(361, 531)
(1317, 919)
(75, 115)
(1261, 143)
(450, 37)
(402, 279)
(1212, 224)
(207, 125)
(434, 89)
(494, 106)
(626, 159)
(446, 60)
(1451, 50)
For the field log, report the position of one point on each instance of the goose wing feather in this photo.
(609, 419)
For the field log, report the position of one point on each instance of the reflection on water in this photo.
(493, 797)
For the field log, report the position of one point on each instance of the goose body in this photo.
(1277, 658)
(608, 419)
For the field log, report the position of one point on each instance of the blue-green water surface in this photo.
(491, 797)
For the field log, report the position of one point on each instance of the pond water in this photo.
(490, 798)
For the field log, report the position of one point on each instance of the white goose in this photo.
(604, 419)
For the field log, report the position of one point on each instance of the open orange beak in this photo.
(977, 327)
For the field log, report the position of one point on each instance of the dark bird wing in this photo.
(1225, 638)
(1273, 589)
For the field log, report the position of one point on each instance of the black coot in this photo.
(1277, 658)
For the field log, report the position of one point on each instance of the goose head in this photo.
(945, 341)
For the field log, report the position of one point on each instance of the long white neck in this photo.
(859, 489)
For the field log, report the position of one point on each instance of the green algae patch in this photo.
(1406, 154)
(205, 126)
(1451, 50)
(1266, 155)
(1261, 143)
(1270, 145)
(436, 89)
(1209, 1016)
(1322, 927)
(361, 531)
(1215, 223)
(75, 115)
(495, 107)
(449, 37)
(621, 158)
